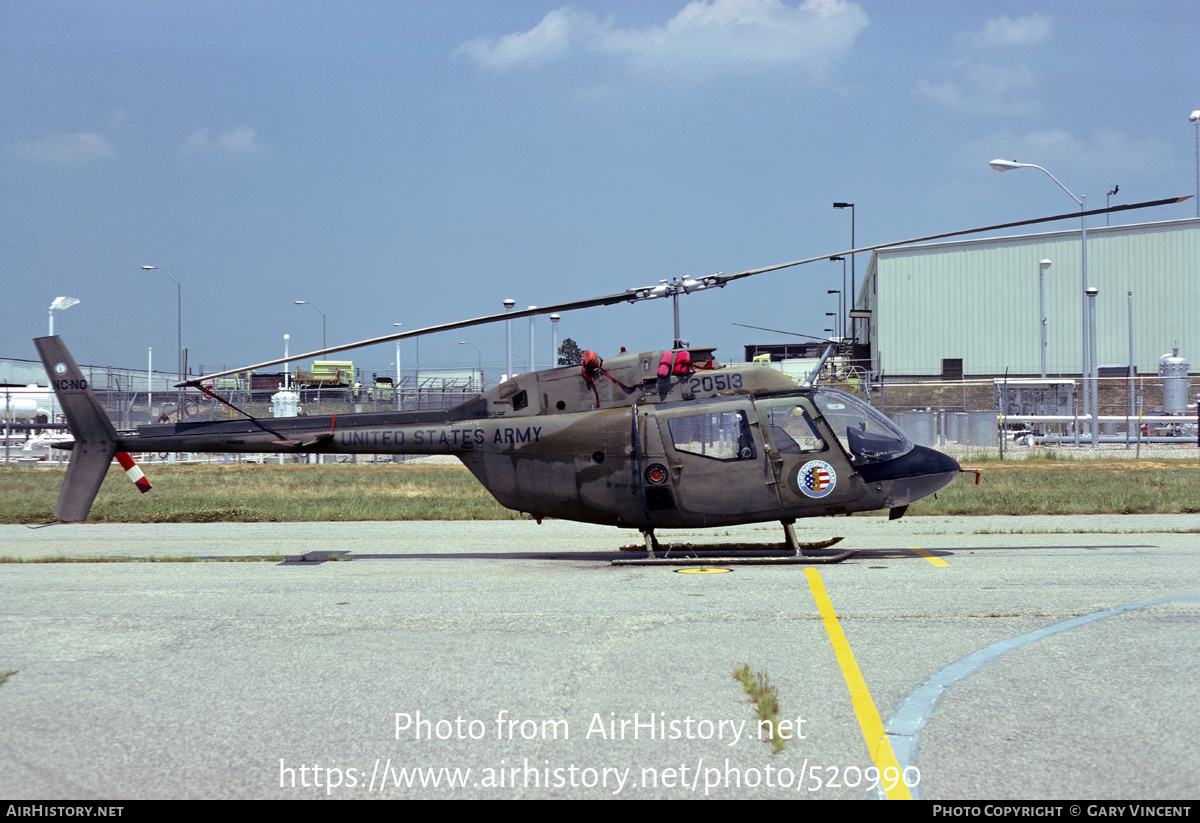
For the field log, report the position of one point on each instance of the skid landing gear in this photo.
(796, 558)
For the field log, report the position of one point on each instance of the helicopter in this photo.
(661, 439)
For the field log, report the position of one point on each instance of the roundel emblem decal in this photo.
(60, 368)
(656, 474)
(816, 478)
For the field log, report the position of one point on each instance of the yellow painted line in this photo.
(937, 561)
(869, 721)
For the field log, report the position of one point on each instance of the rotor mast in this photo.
(673, 288)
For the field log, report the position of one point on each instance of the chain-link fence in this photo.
(1019, 418)
(31, 421)
(1000, 419)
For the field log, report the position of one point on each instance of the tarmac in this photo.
(987, 658)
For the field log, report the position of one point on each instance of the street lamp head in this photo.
(843, 205)
(61, 303)
(836, 258)
(1006, 165)
(149, 268)
(1195, 116)
(300, 302)
(1045, 264)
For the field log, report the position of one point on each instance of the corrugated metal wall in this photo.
(978, 300)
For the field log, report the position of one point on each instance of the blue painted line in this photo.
(904, 726)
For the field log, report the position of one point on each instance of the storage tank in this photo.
(1173, 370)
(22, 408)
(285, 403)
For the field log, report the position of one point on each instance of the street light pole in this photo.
(850, 298)
(476, 348)
(324, 342)
(178, 330)
(839, 329)
(509, 304)
(1094, 399)
(846, 294)
(532, 348)
(554, 318)
(1195, 118)
(1042, 266)
(178, 318)
(1089, 341)
(417, 373)
(396, 389)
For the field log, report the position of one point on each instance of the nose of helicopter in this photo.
(915, 475)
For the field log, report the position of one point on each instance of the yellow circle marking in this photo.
(701, 571)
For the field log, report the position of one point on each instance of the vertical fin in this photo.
(95, 437)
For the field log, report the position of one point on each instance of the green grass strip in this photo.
(249, 493)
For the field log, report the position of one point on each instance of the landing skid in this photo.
(736, 561)
(797, 557)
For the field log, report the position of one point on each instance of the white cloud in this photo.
(705, 36)
(547, 40)
(990, 87)
(240, 140)
(64, 148)
(987, 89)
(1004, 32)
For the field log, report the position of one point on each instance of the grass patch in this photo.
(765, 698)
(1085, 531)
(1071, 487)
(248, 493)
(251, 493)
(266, 558)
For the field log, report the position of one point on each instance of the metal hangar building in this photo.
(971, 308)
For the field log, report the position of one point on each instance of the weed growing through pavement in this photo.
(765, 698)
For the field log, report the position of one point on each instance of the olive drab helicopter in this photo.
(662, 439)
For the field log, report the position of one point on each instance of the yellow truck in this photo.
(326, 374)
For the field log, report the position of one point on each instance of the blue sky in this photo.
(419, 162)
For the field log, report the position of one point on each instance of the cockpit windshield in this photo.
(865, 434)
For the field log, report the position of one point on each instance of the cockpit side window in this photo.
(720, 436)
(792, 428)
(865, 434)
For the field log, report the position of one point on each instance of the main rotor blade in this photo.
(607, 300)
(718, 280)
(726, 278)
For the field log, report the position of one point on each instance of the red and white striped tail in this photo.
(131, 469)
